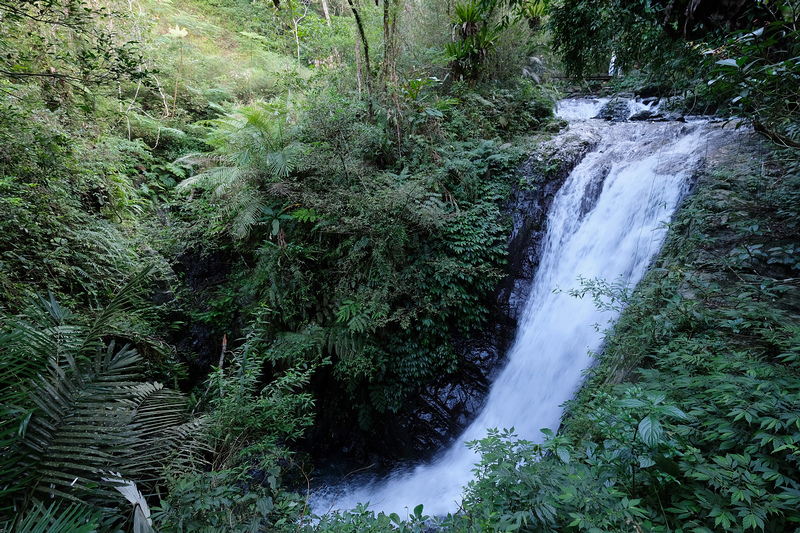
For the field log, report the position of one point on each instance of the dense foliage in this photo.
(645, 34)
(370, 254)
(312, 193)
(689, 421)
(367, 225)
(740, 57)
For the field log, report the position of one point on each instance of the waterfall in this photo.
(608, 221)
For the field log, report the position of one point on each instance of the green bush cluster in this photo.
(54, 230)
(370, 234)
(366, 256)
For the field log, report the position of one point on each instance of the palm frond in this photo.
(80, 423)
(248, 213)
(186, 447)
(141, 511)
(281, 163)
(220, 180)
(123, 301)
(81, 409)
(73, 519)
(163, 430)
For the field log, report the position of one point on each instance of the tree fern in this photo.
(250, 151)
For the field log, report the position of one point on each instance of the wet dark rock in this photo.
(657, 116)
(544, 173)
(669, 117)
(644, 114)
(198, 343)
(616, 110)
(654, 90)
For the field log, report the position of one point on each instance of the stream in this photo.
(608, 221)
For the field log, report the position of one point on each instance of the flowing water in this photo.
(608, 221)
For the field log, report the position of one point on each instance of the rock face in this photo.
(544, 173)
(657, 116)
(202, 272)
(620, 109)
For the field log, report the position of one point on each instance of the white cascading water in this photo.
(580, 108)
(644, 171)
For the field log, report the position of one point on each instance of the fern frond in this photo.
(250, 152)
(248, 213)
(345, 342)
(73, 519)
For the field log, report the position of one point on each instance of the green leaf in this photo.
(630, 403)
(671, 410)
(650, 430)
(418, 511)
(728, 63)
(645, 461)
(563, 454)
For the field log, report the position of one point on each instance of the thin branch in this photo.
(54, 75)
(774, 136)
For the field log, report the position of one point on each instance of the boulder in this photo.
(616, 110)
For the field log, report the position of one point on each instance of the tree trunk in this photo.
(365, 44)
(391, 11)
(389, 79)
(772, 135)
(296, 28)
(326, 12)
(358, 67)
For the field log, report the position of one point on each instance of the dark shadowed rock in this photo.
(655, 90)
(198, 343)
(644, 114)
(656, 116)
(616, 110)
